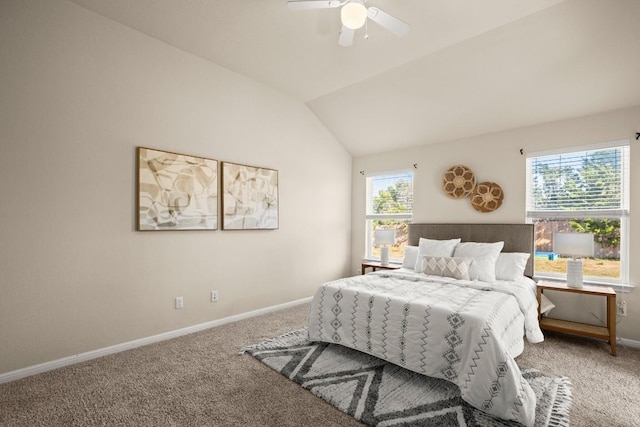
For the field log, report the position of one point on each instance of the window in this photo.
(581, 191)
(389, 205)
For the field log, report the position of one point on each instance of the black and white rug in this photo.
(379, 393)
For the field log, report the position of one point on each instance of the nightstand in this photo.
(607, 332)
(375, 265)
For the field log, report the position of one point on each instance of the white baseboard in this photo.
(629, 343)
(94, 354)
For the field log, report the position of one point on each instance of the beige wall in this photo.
(78, 94)
(496, 157)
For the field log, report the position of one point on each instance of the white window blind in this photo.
(591, 181)
(390, 195)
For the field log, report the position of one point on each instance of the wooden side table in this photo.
(375, 265)
(607, 332)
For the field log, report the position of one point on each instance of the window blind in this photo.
(390, 195)
(578, 183)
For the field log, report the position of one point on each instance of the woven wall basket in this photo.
(458, 182)
(487, 197)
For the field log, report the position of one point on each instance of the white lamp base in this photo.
(384, 255)
(574, 273)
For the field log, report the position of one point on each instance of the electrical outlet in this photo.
(622, 308)
(179, 302)
(214, 296)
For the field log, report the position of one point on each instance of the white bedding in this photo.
(467, 332)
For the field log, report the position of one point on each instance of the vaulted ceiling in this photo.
(467, 67)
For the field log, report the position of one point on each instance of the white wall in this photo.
(78, 93)
(496, 157)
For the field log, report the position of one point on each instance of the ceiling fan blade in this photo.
(313, 4)
(346, 36)
(387, 21)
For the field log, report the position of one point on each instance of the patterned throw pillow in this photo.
(458, 268)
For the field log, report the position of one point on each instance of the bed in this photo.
(451, 319)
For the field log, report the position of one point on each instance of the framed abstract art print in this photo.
(249, 197)
(176, 191)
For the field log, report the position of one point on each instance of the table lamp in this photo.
(384, 238)
(575, 245)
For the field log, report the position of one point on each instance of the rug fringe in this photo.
(286, 340)
(559, 416)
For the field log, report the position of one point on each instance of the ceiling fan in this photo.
(354, 15)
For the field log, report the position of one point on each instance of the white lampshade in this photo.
(353, 15)
(573, 244)
(384, 237)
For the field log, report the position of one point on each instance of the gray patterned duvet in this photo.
(465, 332)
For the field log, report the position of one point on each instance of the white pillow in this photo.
(430, 247)
(458, 268)
(410, 257)
(484, 255)
(511, 265)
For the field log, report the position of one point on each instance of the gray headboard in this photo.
(516, 237)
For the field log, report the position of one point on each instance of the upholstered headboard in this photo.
(516, 237)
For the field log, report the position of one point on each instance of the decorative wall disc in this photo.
(458, 182)
(487, 197)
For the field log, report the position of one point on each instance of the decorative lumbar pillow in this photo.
(511, 265)
(484, 256)
(458, 268)
(438, 248)
(410, 257)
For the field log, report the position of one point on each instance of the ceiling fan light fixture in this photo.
(353, 15)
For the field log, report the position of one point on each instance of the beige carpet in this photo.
(200, 380)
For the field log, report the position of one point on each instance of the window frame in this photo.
(369, 217)
(621, 214)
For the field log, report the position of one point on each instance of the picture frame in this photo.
(249, 197)
(176, 191)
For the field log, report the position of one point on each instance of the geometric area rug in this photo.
(379, 393)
